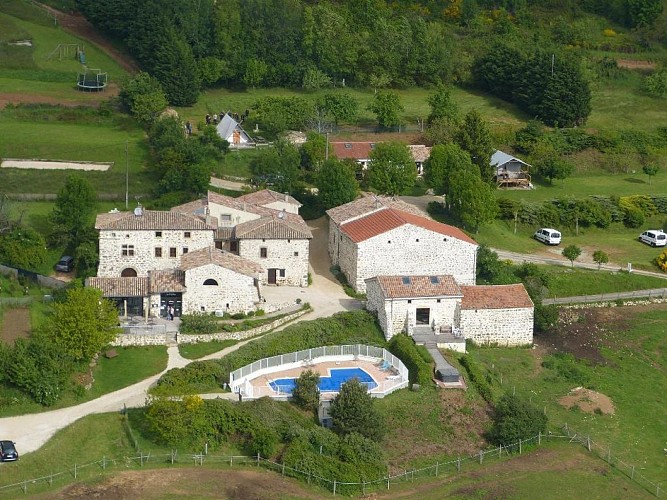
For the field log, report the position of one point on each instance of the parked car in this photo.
(548, 236)
(8, 452)
(65, 264)
(654, 237)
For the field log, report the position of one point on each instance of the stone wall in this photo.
(334, 238)
(161, 339)
(230, 217)
(290, 255)
(506, 327)
(233, 293)
(397, 312)
(112, 262)
(407, 250)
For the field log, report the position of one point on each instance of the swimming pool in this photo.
(332, 383)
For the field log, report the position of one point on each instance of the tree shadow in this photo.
(634, 180)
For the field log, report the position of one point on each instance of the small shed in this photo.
(510, 171)
(231, 131)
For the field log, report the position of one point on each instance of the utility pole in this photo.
(553, 60)
(127, 178)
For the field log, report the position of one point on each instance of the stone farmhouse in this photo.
(208, 255)
(437, 306)
(375, 236)
(360, 152)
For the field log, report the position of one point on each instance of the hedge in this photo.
(416, 359)
(476, 378)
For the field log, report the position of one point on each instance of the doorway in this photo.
(423, 316)
(272, 276)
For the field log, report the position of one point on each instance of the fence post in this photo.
(51, 479)
(609, 454)
(458, 464)
(283, 468)
(231, 460)
(334, 489)
(257, 459)
(500, 450)
(206, 447)
(436, 468)
(74, 471)
(632, 472)
(201, 459)
(363, 488)
(25, 487)
(481, 456)
(104, 463)
(519, 446)
(588, 443)
(539, 437)
(387, 481)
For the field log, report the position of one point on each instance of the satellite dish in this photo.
(281, 214)
(138, 211)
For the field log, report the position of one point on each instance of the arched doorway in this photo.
(128, 272)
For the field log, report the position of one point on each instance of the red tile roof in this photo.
(385, 220)
(367, 204)
(495, 297)
(395, 287)
(352, 150)
(267, 196)
(148, 220)
(211, 255)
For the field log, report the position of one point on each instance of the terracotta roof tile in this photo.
(495, 297)
(148, 220)
(419, 152)
(270, 228)
(352, 150)
(389, 218)
(368, 204)
(418, 286)
(120, 287)
(211, 255)
(167, 280)
(266, 196)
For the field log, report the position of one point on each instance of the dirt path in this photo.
(79, 25)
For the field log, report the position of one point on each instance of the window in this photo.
(158, 251)
(172, 252)
(127, 251)
(226, 217)
(417, 240)
(389, 241)
(434, 280)
(186, 234)
(263, 252)
(158, 234)
(438, 301)
(409, 301)
(372, 145)
(185, 250)
(296, 254)
(406, 280)
(282, 273)
(211, 282)
(233, 246)
(348, 145)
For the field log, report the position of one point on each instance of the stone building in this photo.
(264, 227)
(436, 307)
(375, 236)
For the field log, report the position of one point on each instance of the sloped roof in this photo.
(495, 297)
(149, 220)
(227, 126)
(389, 218)
(369, 203)
(352, 150)
(212, 255)
(272, 228)
(499, 158)
(266, 196)
(398, 287)
(120, 287)
(420, 153)
(166, 280)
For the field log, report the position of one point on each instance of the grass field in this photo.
(620, 352)
(196, 351)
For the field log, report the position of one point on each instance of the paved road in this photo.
(325, 295)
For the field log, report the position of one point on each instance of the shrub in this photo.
(633, 217)
(565, 366)
(306, 393)
(476, 378)
(661, 261)
(198, 323)
(515, 419)
(418, 361)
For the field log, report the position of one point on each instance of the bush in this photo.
(418, 361)
(198, 323)
(476, 378)
(565, 366)
(634, 217)
(515, 419)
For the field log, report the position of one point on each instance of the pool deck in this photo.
(383, 378)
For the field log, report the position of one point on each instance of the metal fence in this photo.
(309, 357)
(144, 329)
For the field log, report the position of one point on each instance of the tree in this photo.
(445, 159)
(306, 393)
(515, 419)
(174, 66)
(555, 168)
(314, 79)
(278, 165)
(656, 83)
(471, 199)
(600, 257)
(22, 246)
(474, 137)
(340, 106)
(255, 72)
(392, 169)
(313, 151)
(442, 106)
(650, 170)
(571, 253)
(83, 323)
(490, 270)
(387, 106)
(352, 410)
(73, 212)
(336, 184)
(143, 97)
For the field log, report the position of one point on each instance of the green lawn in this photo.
(633, 377)
(132, 365)
(196, 351)
(566, 282)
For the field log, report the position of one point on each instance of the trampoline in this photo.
(332, 383)
(91, 80)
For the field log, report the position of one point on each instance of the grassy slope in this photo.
(633, 377)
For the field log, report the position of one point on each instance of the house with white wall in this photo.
(376, 236)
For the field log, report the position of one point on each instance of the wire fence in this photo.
(97, 468)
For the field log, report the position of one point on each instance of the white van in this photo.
(653, 237)
(548, 236)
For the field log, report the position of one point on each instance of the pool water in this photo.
(332, 383)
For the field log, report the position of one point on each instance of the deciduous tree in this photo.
(306, 393)
(387, 107)
(143, 97)
(515, 419)
(471, 199)
(446, 159)
(571, 253)
(336, 183)
(73, 212)
(600, 257)
(352, 410)
(83, 323)
(650, 170)
(392, 169)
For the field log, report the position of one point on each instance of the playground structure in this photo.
(91, 80)
(69, 50)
